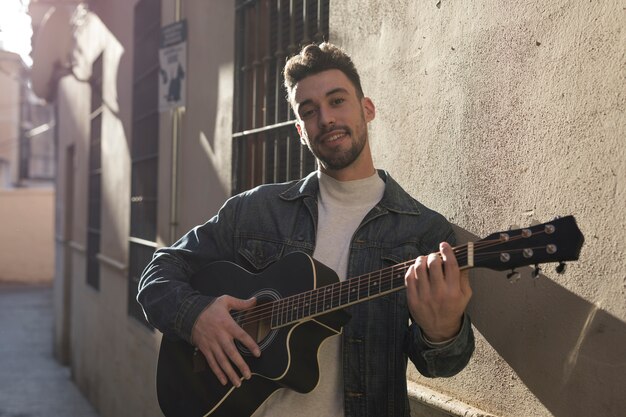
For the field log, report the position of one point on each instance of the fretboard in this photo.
(339, 295)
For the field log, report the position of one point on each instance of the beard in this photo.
(339, 159)
(336, 160)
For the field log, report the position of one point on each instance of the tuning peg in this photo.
(560, 268)
(536, 271)
(513, 276)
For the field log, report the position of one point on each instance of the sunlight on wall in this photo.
(15, 28)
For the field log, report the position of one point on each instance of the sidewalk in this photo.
(32, 382)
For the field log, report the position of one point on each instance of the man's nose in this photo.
(326, 117)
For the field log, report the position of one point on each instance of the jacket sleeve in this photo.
(169, 302)
(449, 359)
(444, 361)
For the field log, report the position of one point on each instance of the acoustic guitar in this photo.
(294, 316)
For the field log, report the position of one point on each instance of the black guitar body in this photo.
(299, 311)
(186, 386)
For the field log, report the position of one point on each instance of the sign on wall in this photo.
(173, 65)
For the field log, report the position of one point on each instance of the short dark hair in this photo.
(314, 59)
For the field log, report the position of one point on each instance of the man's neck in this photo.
(346, 175)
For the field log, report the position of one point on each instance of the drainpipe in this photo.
(177, 115)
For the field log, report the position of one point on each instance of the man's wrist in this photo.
(440, 344)
(442, 338)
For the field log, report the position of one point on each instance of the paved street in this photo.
(32, 383)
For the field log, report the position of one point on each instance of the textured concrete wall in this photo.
(204, 148)
(26, 235)
(500, 113)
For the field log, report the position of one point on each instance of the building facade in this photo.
(27, 169)
(491, 114)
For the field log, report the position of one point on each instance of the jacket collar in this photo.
(394, 199)
(306, 187)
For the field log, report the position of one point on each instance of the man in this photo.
(354, 219)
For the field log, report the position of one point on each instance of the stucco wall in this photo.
(112, 355)
(501, 113)
(26, 235)
(204, 154)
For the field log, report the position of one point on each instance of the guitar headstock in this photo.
(557, 241)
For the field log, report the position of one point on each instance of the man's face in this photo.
(332, 120)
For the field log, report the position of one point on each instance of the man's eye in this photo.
(338, 101)
(307, 113)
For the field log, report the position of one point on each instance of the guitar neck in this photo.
(356, 290)
(556, 241)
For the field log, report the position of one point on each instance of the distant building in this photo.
(27, 144)
(27, 174)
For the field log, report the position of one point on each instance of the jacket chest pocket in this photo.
(398, 254)
(259, 253)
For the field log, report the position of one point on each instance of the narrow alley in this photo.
(32, 382)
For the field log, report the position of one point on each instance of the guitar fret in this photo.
(286, 311)
(290, 310)
(359, 292)
(294, 309)
(345, 292)
(351, 290)
(376, 286)
(327, 298)
(301, 306)
(308, 302)
(398, 274)
(283, 312)
(313, 306)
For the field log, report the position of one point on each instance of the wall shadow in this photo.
(569, 352)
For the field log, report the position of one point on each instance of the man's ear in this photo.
(300, 132)
(369, 110)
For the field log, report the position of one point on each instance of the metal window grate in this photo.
(266, 147)
(145, 145)
(94, 194)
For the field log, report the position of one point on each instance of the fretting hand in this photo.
(438, 293)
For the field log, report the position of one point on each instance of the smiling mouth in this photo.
(333, 137)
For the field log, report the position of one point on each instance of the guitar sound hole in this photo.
(258, 328)
(257, 322)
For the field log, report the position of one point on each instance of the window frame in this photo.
(266, 144)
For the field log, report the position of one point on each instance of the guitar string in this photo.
(292, 303)
(340, 290)
(297, 304)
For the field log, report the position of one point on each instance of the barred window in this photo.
(145, 145)
(95, 176)
(266, 147)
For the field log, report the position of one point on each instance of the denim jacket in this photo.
(258, 227)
